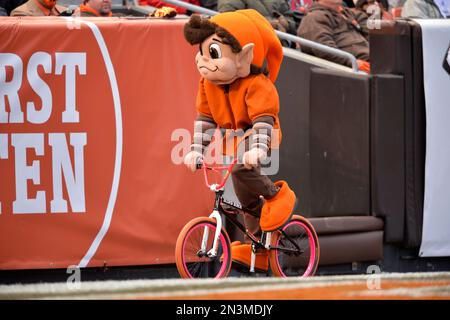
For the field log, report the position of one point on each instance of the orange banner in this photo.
(89, 112)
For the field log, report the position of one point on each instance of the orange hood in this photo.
(249, 26)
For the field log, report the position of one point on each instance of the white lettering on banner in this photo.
(70, 60)
(27, 171)
(61, 165)
(21, 142)
(3, 152)
(10, 89)
(40, 87)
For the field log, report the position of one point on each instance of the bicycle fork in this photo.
(213, 251)
(215, 215)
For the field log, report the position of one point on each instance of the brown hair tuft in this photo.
(197, 29)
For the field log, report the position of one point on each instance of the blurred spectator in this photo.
(396, 3)
(300, 5)
(6, 6)
(444, 7)
(330, 24)
(374, 9)
(303, 5)
(209, 4)
(160, 4)
(38, 8)
(384, 3)
(426, 9)
(95, 8)
(299, 9)
(278, 12)
(348, 3)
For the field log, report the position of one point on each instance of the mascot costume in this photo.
(239, 58)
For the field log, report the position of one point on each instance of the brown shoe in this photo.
(242, 253)
(278, 210)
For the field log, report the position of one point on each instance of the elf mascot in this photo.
(239, 58)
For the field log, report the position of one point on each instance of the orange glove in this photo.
(363, 66)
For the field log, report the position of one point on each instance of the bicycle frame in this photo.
(230, 216)
(218, 210)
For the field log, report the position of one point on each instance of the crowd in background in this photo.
(285, 15)
(86, 8)
(341, 24)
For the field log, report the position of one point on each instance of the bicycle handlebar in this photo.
(216, 168)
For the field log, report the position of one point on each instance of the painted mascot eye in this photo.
(214, 51)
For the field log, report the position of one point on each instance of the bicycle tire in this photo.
(284, 264)
(189, 263)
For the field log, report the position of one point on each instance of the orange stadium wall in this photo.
(89, 112)
(94, 113)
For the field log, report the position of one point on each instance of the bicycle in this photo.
(203, 248)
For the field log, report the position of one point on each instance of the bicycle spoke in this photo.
(293, 250)
(290, 240)
(196, 261)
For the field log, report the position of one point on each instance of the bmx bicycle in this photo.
(203, 248)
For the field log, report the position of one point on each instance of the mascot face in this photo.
(218, 64)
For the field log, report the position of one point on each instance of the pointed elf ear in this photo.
(244, 60)
(245, 57)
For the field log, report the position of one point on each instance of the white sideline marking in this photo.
(194, 287)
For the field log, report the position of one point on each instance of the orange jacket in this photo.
(246, 100)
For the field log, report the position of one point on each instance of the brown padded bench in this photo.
(326, 158)
(349, 239)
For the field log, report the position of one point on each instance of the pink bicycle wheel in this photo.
(192, 261)
(291, 262)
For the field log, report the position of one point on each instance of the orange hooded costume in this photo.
(250, 101)
(252, 97)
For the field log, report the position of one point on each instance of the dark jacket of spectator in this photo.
(278, 12)
(342, 29)
(37, 8)
(10, 5)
